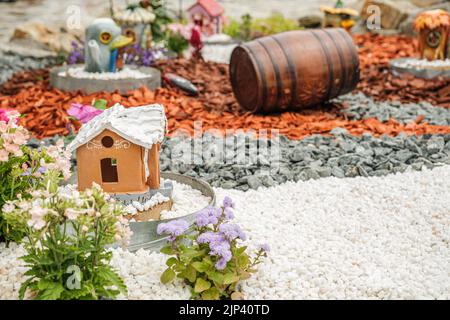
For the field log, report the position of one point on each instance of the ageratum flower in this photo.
(263, 247)
(232, 231)
(173, 228)
(209, 237)
(207, 216)
(228, 213)
(228, 202)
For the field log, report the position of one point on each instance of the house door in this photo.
(109, 170)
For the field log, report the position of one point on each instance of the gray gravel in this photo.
(314, 157)
(360, 106)
(12, 63)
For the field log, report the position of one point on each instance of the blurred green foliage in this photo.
(248, 28)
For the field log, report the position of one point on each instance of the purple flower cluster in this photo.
(232, 231)
(173, 228)
(207, 216)
(134, 54)
(228, 202)
(138, 55)
(77, 53)
(218, 246)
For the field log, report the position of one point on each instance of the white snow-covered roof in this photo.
(144, 125)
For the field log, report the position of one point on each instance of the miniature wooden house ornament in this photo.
(433, 28)
(339, 16)
(119, 150)
(135, 22)
(208, 15)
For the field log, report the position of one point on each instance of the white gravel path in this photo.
(370, 238)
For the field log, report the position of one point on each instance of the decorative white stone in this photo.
(125, 73)
(421, 64)
(355, 238)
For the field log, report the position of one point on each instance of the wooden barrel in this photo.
(294, 70)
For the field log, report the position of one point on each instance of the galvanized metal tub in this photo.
(420, 73)
(68, 83)
(144, 233)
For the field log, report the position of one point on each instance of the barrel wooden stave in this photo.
(294, 70)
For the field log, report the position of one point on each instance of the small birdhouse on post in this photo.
(433, 28)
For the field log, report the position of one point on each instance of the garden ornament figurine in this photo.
(103, 41)
(433, 27)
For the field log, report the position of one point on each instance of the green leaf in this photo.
(201, 285)
(217, 277)
(192, 253)
(200, 266)
(190, 273)
(241, 250)
(100, 104)
(230, 278)
(171, 261)
(111, 278)
(24, 287)
(167, 276)
(51, 291)
(243, 261)
(211, 294)
(167, 250)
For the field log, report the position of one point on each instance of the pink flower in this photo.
(184, 31)
(37, 217)
(4, 155)
(12, 148)
(71, 214)
(6, 115)
(19, 138)
(83, 113)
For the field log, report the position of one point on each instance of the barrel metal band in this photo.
(292, 72)
(277, 72)
(262, 76)
(355, 58)
(330, 68)
(342, 61)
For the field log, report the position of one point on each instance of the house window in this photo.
(107, 141)
(109, 170)
(434, 39)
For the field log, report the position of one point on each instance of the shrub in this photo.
(210, 260)
(178, 38)
(248, 28)
(23, 169)
(66, 233)
(276, 23)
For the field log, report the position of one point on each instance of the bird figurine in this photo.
(103, 41)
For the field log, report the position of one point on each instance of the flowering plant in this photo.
(135, 54)
(23, 169)
(138, 55)
(210, 260)
(77, 54)
(178, 37)
(66, 233)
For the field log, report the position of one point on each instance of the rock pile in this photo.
(341, 155)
